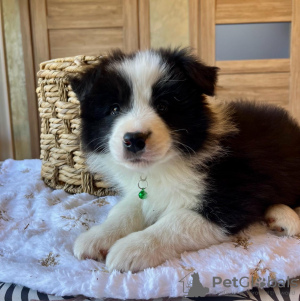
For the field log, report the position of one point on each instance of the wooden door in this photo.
(268, 80)
(64, 28)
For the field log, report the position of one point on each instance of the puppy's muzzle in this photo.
(135, 142)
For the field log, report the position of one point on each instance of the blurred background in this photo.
(256, 44)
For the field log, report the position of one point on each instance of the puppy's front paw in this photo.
(283, 220)
(95, 243)
(135, 252)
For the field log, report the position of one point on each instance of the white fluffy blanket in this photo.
(38, 226)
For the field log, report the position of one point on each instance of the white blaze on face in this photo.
(142, 72)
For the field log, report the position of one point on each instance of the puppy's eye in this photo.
(162, 107)
(115, 110)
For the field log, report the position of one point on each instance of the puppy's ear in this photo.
(204, 76)
(83, 83)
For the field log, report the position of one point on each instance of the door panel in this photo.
(253, 11)
(71, 42)
(253, 41)
(84, 14)
(264, 87)
(253, 66)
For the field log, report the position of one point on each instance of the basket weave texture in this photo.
(63, 163)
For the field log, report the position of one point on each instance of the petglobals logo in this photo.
(192, 286)
(248, 282)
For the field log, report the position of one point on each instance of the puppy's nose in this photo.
(135, 142)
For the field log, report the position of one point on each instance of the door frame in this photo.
(30, 78)
(7, 149)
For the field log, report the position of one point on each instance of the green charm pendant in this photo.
(143, 194)
(143, 184)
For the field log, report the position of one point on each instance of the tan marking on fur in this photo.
(222, 126)
(297, 210)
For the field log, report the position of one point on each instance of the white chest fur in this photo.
(172, 185)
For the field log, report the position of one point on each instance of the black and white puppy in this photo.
(211, 169)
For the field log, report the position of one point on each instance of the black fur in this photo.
(98, 90)
(262, 167)
(202, 76)
(182, 95)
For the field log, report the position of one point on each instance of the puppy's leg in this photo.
(124, 218)
(174, 233)
(283, 220)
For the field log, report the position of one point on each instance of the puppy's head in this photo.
(146, 107)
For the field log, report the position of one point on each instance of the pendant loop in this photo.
(143, 179)
(143, 184)
(140, 186)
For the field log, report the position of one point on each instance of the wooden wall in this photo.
(165, 30)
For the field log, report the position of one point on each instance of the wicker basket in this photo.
(63, 164)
